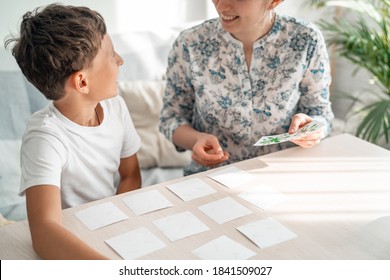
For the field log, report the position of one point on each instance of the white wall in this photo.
(11, 11)
(125, 15)
(120, 15)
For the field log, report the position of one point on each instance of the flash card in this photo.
(191, 189)
(267, 232)
(223, 248)
(101, 215)
(135, 244)
(224, 210)
(232, 177)
(180, 225)
(280, 138)
(145, 202)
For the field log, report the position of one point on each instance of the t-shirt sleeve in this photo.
(42, 159)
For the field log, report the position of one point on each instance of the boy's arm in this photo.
(51, 240)
(130, 174)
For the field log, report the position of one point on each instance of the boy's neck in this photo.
(82, 115)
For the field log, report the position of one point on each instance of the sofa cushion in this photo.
(144, 100)
(36, 98)
(15, 105)
(10, 173)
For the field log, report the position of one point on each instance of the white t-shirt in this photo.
(82, 161)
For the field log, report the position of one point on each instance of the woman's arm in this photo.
(51, 240)
(315, 84)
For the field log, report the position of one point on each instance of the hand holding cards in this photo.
(280, 138)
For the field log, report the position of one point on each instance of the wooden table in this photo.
(339, 207)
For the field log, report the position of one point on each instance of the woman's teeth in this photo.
(228, 18)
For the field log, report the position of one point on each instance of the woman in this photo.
(249, 73)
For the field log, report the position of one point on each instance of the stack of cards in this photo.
(279, 138)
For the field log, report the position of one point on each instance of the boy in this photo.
(72, 148)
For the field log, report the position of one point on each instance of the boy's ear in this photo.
(78, 81)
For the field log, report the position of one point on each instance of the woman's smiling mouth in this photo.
(228, 18)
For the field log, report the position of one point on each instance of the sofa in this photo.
(140, 83)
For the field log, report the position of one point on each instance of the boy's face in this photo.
(103, 72)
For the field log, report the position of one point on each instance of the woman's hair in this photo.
(54, 42)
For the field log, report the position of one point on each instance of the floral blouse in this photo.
(210, 87)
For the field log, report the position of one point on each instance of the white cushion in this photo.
(145, 53)
(144, 101)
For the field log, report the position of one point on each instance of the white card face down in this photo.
(223, 248)
(145, 202)
(224, 210)
(100, 215)
(263, 197)
(267, 232)
(135, 244)
(232, 177)
(191, 189)
(180, 225)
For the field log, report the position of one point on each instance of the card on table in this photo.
(100, 215)
(232, 177)
(263, 197)
(223, 248)
(224, 210)
(280, 138)
(267, 232)
(145, 202)
(180, 225)
(136, 243)
(191, 189)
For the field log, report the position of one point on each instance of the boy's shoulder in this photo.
(41, 118)
(44, 121)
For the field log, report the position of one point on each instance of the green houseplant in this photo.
(362, 36)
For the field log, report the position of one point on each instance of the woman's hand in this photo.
(207, 151)
(205, 148)
(308, 140)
